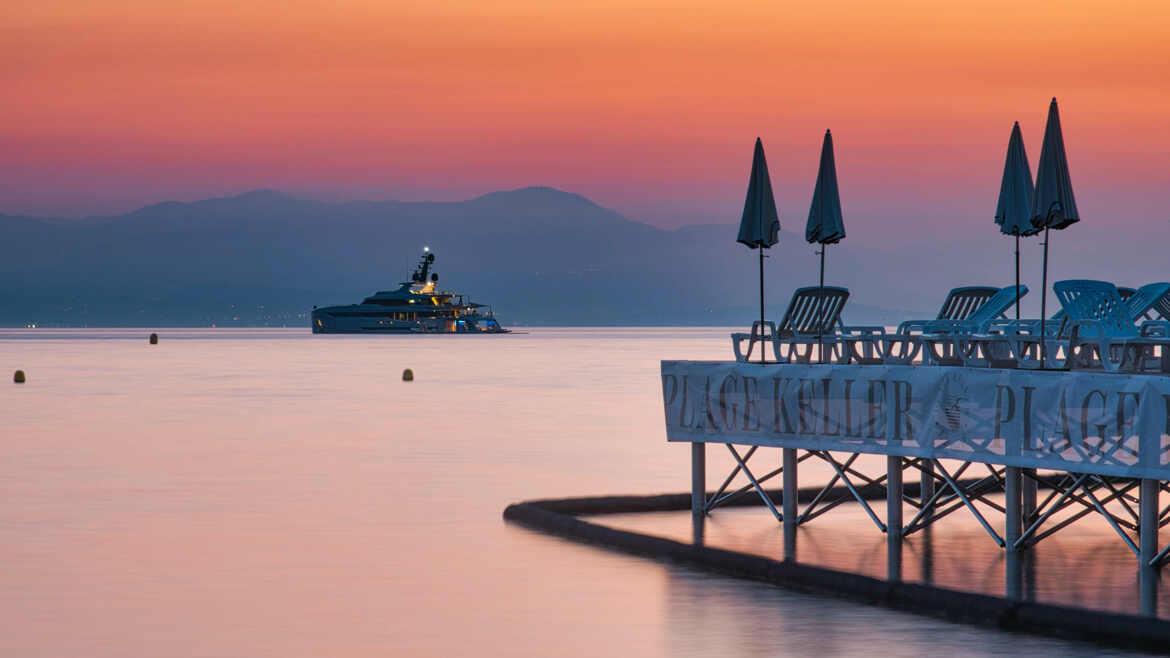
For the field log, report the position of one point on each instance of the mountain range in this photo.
(537, 255)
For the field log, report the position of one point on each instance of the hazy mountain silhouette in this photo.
(538, 255)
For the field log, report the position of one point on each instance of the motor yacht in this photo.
(417, 306)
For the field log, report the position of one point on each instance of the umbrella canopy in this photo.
(1014, 211)
(760, 225)
(825, 224)
(1053, 206)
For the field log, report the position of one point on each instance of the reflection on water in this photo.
(1085, 565)
(274, 493)
(714, 617)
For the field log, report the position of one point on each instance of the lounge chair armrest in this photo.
(1155, 329)
(998, 326)
(941, 327)
(1023, 327)
(981, 328)
(737, 346)
(800, 336)
(912, 326)
(864, 330)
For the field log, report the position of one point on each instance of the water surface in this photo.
(275, 493)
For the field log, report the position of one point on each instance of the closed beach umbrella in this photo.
(759, 228)
(1053, 205)
(1013, 213)
(825, 226)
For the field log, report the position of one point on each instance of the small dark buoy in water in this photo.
(154, 339)
(408, 375)
(18, 378)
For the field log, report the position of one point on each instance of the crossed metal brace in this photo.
(842, 472)
(941, 504)
(1071, 489)
(721, 495)
(1092, 493)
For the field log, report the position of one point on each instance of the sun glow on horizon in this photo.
(648, 107)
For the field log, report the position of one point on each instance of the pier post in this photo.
(926, 488)
(1013, 502)
(894, 517)
(926, 574)
(790, 494)
(1148, 531)
(698, 488)
(1028, 495)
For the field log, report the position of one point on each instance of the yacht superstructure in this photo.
(416, 306)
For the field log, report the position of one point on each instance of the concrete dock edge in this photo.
(560, 517)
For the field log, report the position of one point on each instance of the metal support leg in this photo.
(1013, 575)
(927, 487)
(1028, 512)
(791, 491)
(698, 489)
(1148, 530)
(927, 539)
(894, 517)
(1028, 495)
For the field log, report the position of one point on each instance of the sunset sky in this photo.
(650, 108)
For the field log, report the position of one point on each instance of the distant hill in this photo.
(538, 255)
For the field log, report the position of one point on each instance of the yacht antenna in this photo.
(424, 266)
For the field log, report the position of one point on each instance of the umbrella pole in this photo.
(821, 306)
(1017, 276)
(762, 349)
(1044, 305)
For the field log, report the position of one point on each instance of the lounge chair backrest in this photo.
(1126, 293)
(997, 305)
(1162, 307)
(1150, 297)
(802, 316)
(1096, 301)
(962, 302)
(1061, 317)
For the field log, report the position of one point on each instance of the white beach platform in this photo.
(1100, 440)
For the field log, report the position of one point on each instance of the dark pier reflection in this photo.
(1086, 566)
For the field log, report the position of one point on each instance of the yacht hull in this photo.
(372, 319)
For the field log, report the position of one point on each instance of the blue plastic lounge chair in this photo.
(1102, 330)
(871, 345)
(762, 334)
(1150, 302)
(813, 318)
(1018, 342)
(947, 341)
(1057, 325)
(805, 323)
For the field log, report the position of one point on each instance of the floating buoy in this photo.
(408, 375)
(154, 339)
(18, 378)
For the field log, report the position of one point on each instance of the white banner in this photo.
(1087, 422)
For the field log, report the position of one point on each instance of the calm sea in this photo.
(274, 493)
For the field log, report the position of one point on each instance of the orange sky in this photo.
(647, 107)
